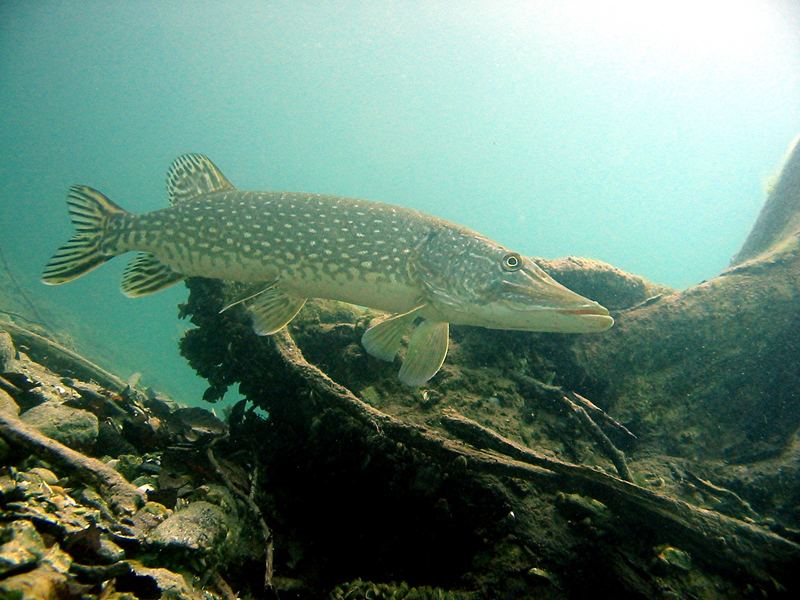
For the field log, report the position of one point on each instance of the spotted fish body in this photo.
(319, 246)
(298, 246)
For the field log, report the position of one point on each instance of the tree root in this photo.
(585, 412)
(123, 498)
(735, 547)
(608, 448)
(605, 418)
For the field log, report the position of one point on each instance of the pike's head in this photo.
(471, 280)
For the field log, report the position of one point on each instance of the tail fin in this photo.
(91, 213)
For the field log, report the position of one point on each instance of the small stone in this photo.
(91, 498)
(7, 405)
(542, 575)
(58, 560)
(150, 515)
(45, 475)
(170, 585)
(109, 552)
(673, 558)
(9, 490)
(198, 528)
(48, 580)
(24, 548)
(145, 480)
(72, 427)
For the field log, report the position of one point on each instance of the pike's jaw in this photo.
(536, 302)
(590, 318)
(547, 308)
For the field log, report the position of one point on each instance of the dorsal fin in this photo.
(193, 175)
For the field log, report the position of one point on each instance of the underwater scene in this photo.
(399, 300)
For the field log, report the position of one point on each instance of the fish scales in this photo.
(320, 246)
(427, 271)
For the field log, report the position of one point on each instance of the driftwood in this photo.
(733, 546)
(123, 498)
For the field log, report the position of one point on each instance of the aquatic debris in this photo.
(295, 246)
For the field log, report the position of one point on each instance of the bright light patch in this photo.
(680, 30)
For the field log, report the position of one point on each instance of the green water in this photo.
(633, 133)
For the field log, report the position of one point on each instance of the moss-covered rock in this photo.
(72, 427)
(198, 529)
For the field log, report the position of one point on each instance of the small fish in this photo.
(298, 246)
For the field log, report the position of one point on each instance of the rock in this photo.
(39, 383)
(150, 516)
(671, 558)
(45, 475)
(46, 581)
(24, 547)
(72, 427)
(7, 405)
(154, 583)
(198, 528)
(109, 552)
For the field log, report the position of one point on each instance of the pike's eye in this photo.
(512, 261)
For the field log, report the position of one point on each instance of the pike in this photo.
(298, 246)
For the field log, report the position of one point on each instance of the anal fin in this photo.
(272, 309)
(427, 349)
(145, 274)
(384, 339)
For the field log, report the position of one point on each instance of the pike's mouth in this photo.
(593, 310)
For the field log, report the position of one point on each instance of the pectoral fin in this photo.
(249, 294)
(272, 309)
(383, 340)
(427, 349)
